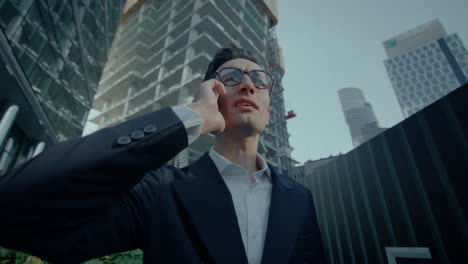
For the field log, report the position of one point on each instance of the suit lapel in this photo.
(285, 219)
(209, 205)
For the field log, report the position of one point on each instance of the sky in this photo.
(332, 44)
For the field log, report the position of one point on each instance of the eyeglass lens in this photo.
(232, 77)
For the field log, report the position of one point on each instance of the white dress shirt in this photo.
(251, 200)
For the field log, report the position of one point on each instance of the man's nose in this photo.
(247, 86)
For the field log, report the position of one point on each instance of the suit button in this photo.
(124, 140)
(137, 135)
(149, 129)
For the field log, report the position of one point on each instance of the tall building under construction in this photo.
(162, 50)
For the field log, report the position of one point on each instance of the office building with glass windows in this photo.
(424, 64)
(52, 56)
(162, 51)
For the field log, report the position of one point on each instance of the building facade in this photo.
(424, 64)
(359, 115)
(161, 53)
(304, 172)
(52, 55)
(401, 196)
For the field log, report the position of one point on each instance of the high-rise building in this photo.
(424, 64)
(161, 53)
(359, 115)
(52, 55)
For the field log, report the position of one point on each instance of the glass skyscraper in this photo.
(424, 64)
(359, 115)
(52, 55)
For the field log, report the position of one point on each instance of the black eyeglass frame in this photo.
(248, 73)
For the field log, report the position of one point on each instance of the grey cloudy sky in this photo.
(328, 45)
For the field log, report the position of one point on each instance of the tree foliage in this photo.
(8, 256)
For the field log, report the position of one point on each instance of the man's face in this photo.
(245, 108)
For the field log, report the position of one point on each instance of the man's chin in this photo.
(244, 128)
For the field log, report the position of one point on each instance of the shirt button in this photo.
(149, 129)
(137, 135)
(124, 140)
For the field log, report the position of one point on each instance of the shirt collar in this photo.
(222, 163)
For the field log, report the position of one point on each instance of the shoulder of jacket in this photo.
(293, 183)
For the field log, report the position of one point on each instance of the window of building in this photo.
(430, 53)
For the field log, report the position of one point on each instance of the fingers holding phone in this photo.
(205, 102)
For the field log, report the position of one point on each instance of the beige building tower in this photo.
(161, 52)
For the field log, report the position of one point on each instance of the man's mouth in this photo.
(245, 103)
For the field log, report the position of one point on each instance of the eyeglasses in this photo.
(231, 76)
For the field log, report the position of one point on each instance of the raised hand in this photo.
(206, 104)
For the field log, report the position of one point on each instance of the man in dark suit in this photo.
(111, 191)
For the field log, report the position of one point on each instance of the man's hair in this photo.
(227, 53)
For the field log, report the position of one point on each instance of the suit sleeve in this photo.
(76, 200)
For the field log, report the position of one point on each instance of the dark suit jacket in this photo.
(93, 196)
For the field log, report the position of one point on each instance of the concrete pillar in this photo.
(127, 101)
(39, 148)
(7, 122)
